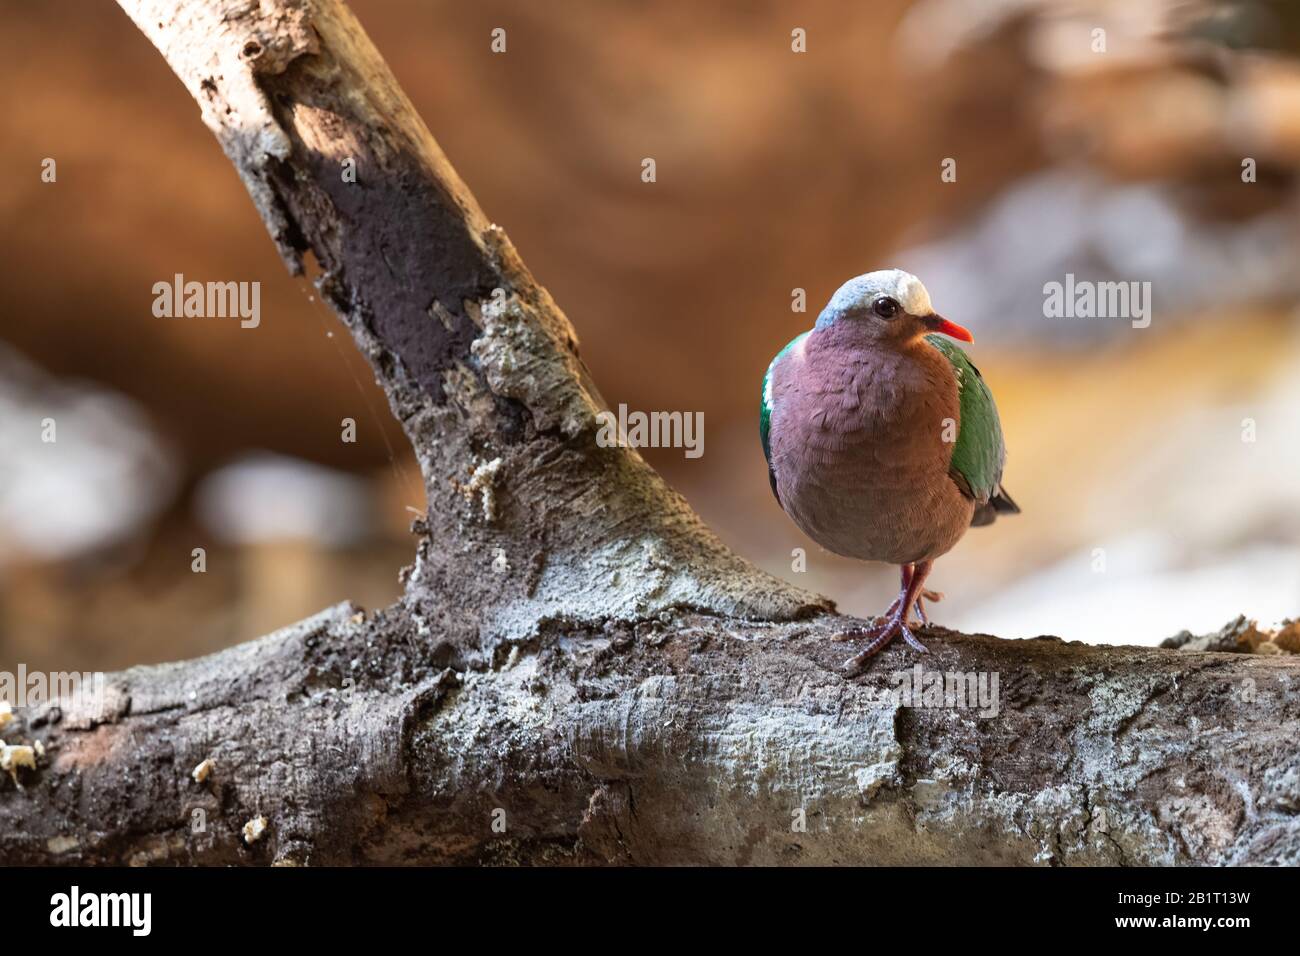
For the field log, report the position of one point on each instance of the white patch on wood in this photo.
(62, 844)
(13, 756)
(254, 830)
(483, 483)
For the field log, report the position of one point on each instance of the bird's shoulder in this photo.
(767, 399)
(979, 452)
(768, 392)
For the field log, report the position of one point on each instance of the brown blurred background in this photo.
(1145, 511)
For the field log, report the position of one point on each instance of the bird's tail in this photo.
(1000, 503)
(1003, 503)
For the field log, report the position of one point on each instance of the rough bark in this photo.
(626, 690)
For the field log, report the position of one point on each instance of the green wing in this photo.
(765, 411)
(979, 454)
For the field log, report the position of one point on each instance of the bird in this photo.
(882, 440)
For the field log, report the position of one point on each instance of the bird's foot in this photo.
(878, 636)
(893, 609)
(920, 604)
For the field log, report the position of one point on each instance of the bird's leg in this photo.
(896, 622)
(904, 578)
(921, 598)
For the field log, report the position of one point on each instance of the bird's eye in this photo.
(885, 307)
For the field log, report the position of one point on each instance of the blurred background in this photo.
(1157, 467)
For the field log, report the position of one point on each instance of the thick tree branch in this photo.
(629, 690)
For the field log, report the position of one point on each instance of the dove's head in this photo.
(888, 306)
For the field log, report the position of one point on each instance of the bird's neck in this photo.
(861, 337)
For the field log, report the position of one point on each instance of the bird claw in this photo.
(869, 631)
(920, 604)
(894, 621)
(879, 637)
(913, 643)
(877, 622)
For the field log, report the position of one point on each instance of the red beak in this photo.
(937, 323)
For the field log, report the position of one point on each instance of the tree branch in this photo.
(628, 690)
